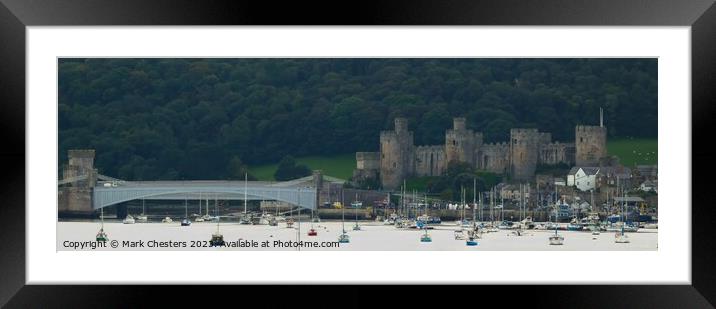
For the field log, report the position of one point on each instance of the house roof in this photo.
(587, 170)
(628, 199)
(648, 183)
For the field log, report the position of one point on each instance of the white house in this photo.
(584, 178)
(648, 186)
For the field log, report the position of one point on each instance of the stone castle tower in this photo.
(397, 157)
(460, 143)
(524, 145)
(591, 143)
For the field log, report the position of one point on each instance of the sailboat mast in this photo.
(481, 218)
(492, 210)
(246, 180)
(502, 206)
(474, 193)
(343, 211)
(299, 219)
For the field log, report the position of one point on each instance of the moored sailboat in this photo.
(101, 235)
(245, 217)
(185, 221)
(355, 205)
(343, 238)
(142, 217)
(426, 237)
(128, 220)
(556, 239)
(621, 237)
(217, 239)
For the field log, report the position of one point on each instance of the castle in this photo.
(399, 158)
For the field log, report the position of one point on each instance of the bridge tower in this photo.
(75, 198)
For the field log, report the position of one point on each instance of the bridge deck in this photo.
(297, 193)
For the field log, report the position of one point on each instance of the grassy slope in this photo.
(340, 166)
(634, 151)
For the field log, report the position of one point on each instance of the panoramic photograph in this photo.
(357, 154)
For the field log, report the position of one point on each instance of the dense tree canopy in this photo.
(206, 118)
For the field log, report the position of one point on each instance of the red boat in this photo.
(312, 232)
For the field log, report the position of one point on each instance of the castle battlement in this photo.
(81, 153)
(430, 147)
(583, 128)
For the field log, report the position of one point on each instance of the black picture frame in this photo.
(15, 15)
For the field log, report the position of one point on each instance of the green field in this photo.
(339, 166)
(634, 151)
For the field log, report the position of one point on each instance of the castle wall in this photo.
(494, 158)
(524, 145)
(544, 138)
(591, 145)
(368, 160)
(555, 153)
(430, 160)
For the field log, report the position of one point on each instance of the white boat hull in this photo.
(556, 240)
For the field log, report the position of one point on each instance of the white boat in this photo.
(621, 237)
(185, 221)
(142, 217)
(651, 226)
(167, 220)
(128, 220)
(556, 239)
(265, 218)
(459, 234)
(389, 221)
(527, 223)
